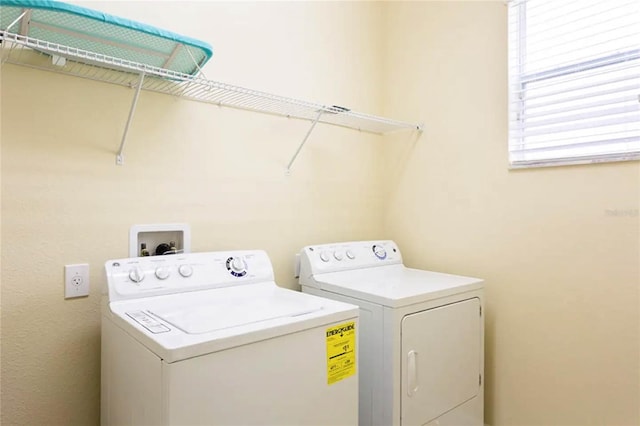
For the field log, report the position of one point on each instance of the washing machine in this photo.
(421, 333)
(210, 339)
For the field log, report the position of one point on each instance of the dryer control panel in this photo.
(156, 275)
(350, 255)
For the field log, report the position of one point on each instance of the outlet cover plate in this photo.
(76, 280)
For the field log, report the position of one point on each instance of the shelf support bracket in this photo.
(119, 157)
(288, 171)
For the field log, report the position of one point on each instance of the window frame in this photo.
(522, 79)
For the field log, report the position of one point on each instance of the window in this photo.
(574, 81)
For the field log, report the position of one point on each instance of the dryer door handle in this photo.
(412, 373)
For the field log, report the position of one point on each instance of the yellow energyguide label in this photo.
(341, 352)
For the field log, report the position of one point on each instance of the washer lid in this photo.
(395, 285)
(214, 314)
(179, 326)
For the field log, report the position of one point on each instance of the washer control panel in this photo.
(350, 255)
(155, 275)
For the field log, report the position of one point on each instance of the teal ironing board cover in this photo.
(94, 31)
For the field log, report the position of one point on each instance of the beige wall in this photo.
(222, 171)
(562, 275)
(562, 272)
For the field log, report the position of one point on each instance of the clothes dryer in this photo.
(421, 353)
(210, 339)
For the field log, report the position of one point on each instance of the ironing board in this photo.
(91, 30)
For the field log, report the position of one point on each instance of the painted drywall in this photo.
(221, 170)
(558, 247)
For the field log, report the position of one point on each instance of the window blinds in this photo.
(574, 81)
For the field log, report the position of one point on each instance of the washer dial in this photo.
(324, 256)
(236, 266)
(162, 272)
(136, 274)
(185, 270)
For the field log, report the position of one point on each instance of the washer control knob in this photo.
(351, 255)
(136, 274)
(338, 255)
(324, 256)
(379, 251)
(162, 272)
(237, 264)
(185, 270)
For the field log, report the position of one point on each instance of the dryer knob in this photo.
(351, 255)
(338, 255)
(380, 252)
(162, 272)
(324, 256)
(185, 270)
(136, 275)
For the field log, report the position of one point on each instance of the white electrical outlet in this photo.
(76, 280)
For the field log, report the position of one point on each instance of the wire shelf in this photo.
(94, 66)
(27, 51)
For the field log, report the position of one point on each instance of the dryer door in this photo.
(441, 360)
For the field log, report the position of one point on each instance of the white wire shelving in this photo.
(21, 50)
